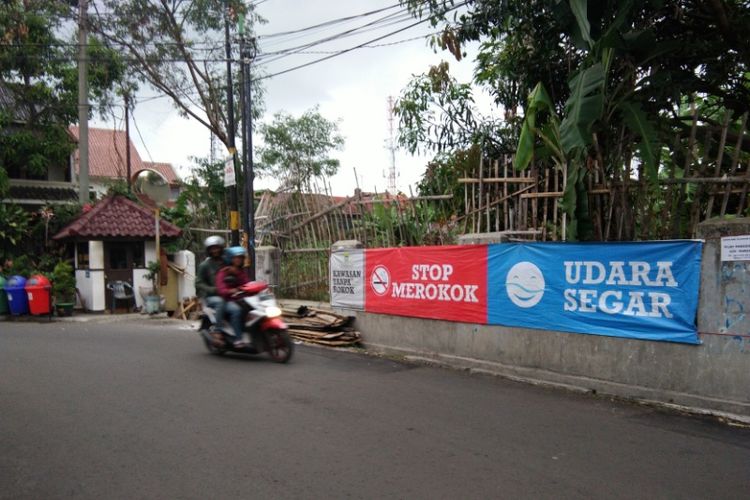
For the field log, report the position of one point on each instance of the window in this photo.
(139, 260)
(82, 253)
(118, 257)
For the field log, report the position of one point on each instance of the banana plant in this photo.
(592, 103)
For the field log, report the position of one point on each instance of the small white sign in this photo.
(229, 176)
(735, 248)
(347, 279)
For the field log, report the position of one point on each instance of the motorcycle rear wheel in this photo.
(280, 346)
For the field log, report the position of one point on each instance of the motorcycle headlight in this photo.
(273, 312)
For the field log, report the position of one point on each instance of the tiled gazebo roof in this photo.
(117, 217)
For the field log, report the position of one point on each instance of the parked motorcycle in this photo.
(263, 326)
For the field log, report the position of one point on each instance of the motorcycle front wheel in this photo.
(280, 346)
(213, 349)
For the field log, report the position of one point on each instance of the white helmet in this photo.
(214, 241)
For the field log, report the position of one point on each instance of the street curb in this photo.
(88, 318)
(584, 386)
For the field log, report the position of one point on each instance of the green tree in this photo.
(202, 202)
(605, 78)
(39, 86)
(296, 150)
(178, 48)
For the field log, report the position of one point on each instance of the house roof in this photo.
(116, 217)
(42, 193)
(9, 102)
(164, 169)
(107, 154)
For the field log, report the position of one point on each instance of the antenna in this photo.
(391, 147)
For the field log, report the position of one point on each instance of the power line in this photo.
(327, 23)
(141, 137)
(344, 51)
(382, 22)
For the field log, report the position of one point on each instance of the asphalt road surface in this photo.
(111, 410)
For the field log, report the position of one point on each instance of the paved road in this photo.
(140, 410)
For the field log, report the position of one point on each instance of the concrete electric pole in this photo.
(247, 53)
(234, 217)
(83, 106)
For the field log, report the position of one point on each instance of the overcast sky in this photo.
(352, 88)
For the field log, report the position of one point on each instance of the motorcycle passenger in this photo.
(205, 282)
(228, 282)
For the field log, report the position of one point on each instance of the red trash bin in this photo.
(38, 289)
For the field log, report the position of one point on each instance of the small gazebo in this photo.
(114, 241)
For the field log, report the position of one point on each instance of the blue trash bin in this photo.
(18, 301)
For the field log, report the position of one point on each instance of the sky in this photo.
(352, 88)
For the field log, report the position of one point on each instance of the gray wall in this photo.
(714, 376)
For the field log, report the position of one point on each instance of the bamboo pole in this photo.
(545, 206)
(496, 164)
(689, 156)
(481, 190)
(735, 161)
(555, 205)
(719, 160)
(743, 196)
(506, 215)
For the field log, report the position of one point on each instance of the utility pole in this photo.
(247, 53)
(127, 138)
(234, 216)
(83, 106)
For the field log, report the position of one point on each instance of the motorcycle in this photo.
(263, 325)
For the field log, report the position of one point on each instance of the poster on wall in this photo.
(735, 248)
(347, 279)
(446, 282)
(634, 290)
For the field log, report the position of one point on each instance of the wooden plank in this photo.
(495, 180)
(320, 214)
(501, 200)
(553, 194)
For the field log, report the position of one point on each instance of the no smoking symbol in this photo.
(380, 280)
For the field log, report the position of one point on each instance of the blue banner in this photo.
(634, 290)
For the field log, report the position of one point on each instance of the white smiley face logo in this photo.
(525, 284)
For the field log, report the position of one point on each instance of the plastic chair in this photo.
(121, 290)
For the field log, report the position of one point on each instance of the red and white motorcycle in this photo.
(264, 326)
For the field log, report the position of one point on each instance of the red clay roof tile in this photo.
(117, 217)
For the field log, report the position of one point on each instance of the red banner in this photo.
(446, 282)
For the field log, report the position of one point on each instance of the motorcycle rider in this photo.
(228, 282)
(205, 282)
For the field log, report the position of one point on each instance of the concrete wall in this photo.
(185, 260)
(268, 265)
(725, 285)
(714, 375)
(140, 283)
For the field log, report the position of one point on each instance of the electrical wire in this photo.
(135, 123)
(344, 51)
(327, 23)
